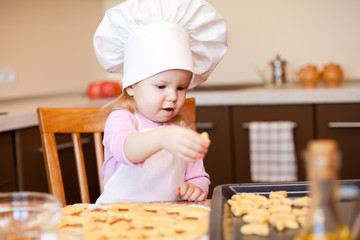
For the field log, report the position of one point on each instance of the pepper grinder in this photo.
(322, 159)
(278, 71)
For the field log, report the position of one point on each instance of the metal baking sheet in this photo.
(225, 226)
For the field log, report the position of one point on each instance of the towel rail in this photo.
(247, 124)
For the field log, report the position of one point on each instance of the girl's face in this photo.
(160, 97)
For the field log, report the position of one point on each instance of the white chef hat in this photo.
(140, 38)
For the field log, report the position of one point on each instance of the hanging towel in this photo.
(272, 156)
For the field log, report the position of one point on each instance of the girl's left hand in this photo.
(190, 192)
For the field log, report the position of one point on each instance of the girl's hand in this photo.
(190, 192)
(184, 143)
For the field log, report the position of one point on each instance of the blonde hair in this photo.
(125, 101)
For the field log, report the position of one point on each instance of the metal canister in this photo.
(278, 71)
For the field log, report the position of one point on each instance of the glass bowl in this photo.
(25, 215)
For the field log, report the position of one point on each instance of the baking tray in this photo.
(224, 226)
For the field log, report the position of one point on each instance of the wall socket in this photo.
(7, 76)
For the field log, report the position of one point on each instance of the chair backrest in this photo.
(188, 112)
(76, 121)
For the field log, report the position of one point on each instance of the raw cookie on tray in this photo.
(260, 213)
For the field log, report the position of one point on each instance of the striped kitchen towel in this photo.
(272, 151)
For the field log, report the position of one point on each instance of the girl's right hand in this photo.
(184, 143)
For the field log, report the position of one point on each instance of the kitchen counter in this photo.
(21, 113)
(348, 92)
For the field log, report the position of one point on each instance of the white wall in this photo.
(49, 42)
(49, 45)
(301, 31)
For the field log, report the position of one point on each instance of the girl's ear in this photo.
(130, 91)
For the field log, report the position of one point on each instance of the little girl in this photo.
(161, 48)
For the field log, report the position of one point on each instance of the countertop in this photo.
(347, 92)
(21, 113)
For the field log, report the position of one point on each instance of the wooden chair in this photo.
(76, 121)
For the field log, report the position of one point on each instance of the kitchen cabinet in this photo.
(228, 159)
(342, 123)
(218, 161)
(30, 161)
(31, 166)
(302, 115)
(7, 163)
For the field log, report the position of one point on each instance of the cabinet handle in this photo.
(205, 125)
(344, 125)
(67, 145)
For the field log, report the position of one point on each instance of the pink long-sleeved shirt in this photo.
(119, 125)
